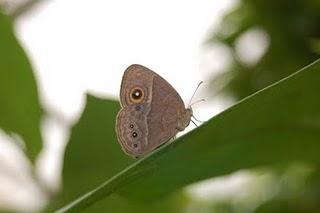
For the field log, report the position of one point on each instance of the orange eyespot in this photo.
(136, 95)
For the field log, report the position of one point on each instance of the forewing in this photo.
(166, 108)
(136, 76)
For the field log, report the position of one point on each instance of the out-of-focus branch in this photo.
(23, 8)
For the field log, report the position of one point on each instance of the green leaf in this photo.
(93, 154)
(20, 110)
(277, 125)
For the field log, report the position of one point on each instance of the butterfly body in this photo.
(152, 111)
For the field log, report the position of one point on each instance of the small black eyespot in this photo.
(134, 134)
(131, 126)
(135, 145)
(136, 94)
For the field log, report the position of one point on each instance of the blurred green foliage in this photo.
(20, 110)
(293, 28)
(296, 196)
(293, 31)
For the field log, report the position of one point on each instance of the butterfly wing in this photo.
(136, 76)
(167, 108)
(156, 114)
(132, 130)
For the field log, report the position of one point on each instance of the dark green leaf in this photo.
(20, 110)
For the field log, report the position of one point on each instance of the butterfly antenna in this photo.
(189, 105)
(197, 102)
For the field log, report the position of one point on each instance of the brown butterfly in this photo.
(152, 111)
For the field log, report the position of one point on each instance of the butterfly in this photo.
(152, 111)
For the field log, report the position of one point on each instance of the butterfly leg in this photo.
(193, 122)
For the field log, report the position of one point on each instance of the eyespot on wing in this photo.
(131, 128)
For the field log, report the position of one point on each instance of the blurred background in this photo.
(236, 47)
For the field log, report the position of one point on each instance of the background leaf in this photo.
(277, 125)
(292, 31)
(20, 110)
(93, 154)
